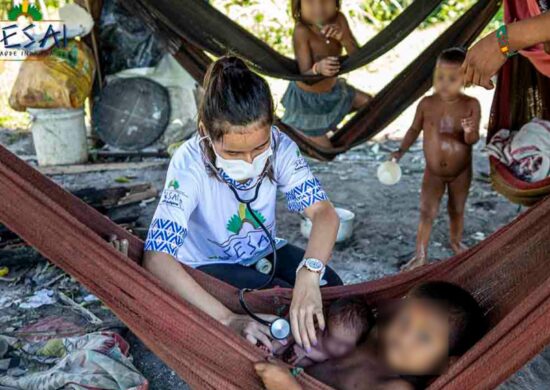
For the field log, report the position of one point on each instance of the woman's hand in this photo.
(328, 67)
(333, 31)
(251, 329)
(276, 377)
(482, 62)
(306, 306)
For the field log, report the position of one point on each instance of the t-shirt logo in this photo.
(300, 162)
(172, 196)
(174, 184)
(247, 239)
(236, 222)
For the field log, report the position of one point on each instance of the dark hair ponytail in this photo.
(234, 96)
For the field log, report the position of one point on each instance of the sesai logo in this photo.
(25, 10)
(25, 31)
(174, 184)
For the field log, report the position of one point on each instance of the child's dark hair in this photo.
(234, 96)
(466, 319)
(453, 55)
(353, 312)
(296, 9)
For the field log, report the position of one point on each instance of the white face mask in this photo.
(240, 170)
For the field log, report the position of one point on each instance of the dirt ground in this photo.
(381, 243)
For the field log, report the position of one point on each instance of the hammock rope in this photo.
(209, 29)
(509, 273)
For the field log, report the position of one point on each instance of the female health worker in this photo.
(201, 222)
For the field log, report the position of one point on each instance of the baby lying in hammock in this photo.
(435, 323)
(348, 321)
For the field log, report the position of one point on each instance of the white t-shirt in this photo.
(198, 219)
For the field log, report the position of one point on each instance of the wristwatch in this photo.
(312, 265)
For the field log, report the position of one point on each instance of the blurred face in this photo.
(317, 11)
(448, 79)
(416, 341)
(341, 339)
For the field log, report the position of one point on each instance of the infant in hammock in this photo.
(414, 340)
(348, 321)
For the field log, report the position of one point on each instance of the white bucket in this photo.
(346, 225)
(59, 136)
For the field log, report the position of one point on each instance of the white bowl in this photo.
(346, 225)
(389, 173)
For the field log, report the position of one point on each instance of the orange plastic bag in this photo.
(57, 78)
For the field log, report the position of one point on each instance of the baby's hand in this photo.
(333, 31)
(298, 354)
(329, 66)
(468, 124)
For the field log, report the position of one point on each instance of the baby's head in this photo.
(348, 320)
(314, 11)
(436, 321)
(448, 77)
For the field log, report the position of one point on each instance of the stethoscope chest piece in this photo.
(280, 329)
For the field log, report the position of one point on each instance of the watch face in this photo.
(314, 265)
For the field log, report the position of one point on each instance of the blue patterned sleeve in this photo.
(168, 228)
(295, 179)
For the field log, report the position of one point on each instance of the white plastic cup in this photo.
(389, 173)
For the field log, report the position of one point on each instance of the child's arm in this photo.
(412, 133)
(329, 66)
(471, 124)
(342, 33)
(276, 377)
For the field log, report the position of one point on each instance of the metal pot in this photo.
(346, 225)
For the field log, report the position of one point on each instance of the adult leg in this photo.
(240, 276)
(458, 193)
(433, 188)
(288, 259)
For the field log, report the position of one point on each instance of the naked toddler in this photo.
(449, 121)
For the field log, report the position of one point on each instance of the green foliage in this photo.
(448, 10)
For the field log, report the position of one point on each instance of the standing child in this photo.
(450, 121)
(320, 34)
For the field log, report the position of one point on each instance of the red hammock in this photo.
(509, 273)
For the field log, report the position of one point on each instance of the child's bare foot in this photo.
(415, 262)
(458, 247)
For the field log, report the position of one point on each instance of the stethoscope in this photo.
(279, 328)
